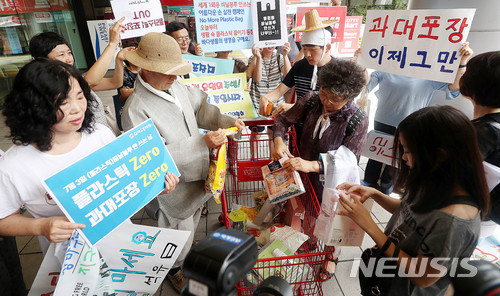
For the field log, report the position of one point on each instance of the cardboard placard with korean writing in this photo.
(326, 13)
(226, 92)
(132, 259)
(269, 24)
(206, 66)
(107, 187)
(223, 25)
(417, 43)
(142, 16)
(378, 147)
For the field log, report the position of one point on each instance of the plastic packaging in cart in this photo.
(292, 269)
(337, 230)
(217, 169)
(216, 172)
(280, 184)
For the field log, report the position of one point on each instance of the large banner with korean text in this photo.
(133, 260)
(416, 43)
(223, 25)
(226, 92)
(141, 16)
(108, 186)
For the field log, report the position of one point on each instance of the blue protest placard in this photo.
(206, 66)
(107, 187)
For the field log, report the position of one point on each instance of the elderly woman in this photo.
(330, 119)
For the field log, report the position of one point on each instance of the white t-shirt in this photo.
(23, 168)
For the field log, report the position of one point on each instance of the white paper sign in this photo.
(492, 174)
(132, 259)
(99, 36)
(269, 23)
(378, 147)
(142, 16)
(416, 43)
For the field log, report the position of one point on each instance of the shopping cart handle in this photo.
(261, 120)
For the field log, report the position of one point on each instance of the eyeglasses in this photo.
(182, 40)
(330, 97)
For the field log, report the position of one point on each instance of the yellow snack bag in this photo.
(217, 170)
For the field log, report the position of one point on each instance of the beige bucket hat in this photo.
(160, 53)
(313, 22)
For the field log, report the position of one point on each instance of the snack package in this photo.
(217, 169)
(260, 198)
(280, 184)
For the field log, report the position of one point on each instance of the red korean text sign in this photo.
(417, 43)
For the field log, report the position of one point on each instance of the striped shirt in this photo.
(271, 78)
(300, 76)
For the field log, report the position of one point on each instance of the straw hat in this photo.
(160, 53)
(313, 22)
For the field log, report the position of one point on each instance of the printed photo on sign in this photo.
(269, 24)
(226, 92)
(141, 16)
(416, 43)
(107, 187)
(223, 25)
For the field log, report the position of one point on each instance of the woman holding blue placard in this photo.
(49, 113)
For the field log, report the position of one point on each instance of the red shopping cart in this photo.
(304, 271)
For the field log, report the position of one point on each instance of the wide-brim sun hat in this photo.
(313, 22)
(160, 53)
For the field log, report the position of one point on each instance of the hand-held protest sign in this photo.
(107, 187)
(326, 13)
(226, 92)
(99, 36)
(416, 43)
(269, 24)
(142, 16)
(378, 147)
(223, 25)
(206, 66)
(133, 260)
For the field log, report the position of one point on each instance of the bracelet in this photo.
(462, 66)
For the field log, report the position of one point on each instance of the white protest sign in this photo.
(139, 256)
(142, 16)
(133, 259)
(416, 43)
(269, 25)
(99, 36)
(492, 174)
(378, 147)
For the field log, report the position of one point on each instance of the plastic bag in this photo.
(217, 169)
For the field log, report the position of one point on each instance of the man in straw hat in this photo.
(304, 73)
(177, 112)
